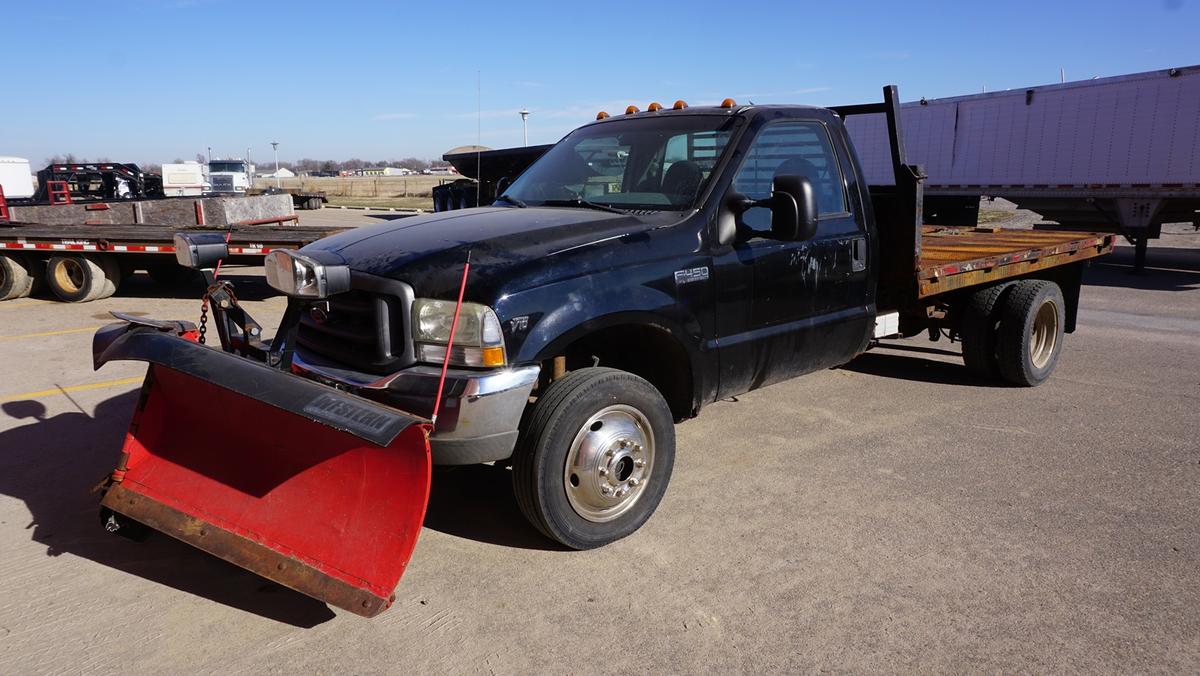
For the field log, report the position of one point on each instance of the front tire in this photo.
(594, 458)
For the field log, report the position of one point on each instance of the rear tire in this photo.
(978, 330)
(594, 457)
(78, 279)
(16, 276)
(1031, 332)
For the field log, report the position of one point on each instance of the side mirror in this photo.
(502, 184)
(200, 250)
(793, 208)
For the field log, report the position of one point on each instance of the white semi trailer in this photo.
(1120, 154)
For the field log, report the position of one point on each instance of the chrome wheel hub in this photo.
(609, 463)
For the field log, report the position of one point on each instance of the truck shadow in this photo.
(890, 361)
(249, 287)
(476, 502)
(52, 463)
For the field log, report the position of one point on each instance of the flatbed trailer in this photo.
(82, 262)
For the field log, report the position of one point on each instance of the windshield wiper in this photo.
(512, 200)
(580, 202)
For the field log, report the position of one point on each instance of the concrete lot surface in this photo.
(891, 515)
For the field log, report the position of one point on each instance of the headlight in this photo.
(478, 341)
(200, 250)
(304, 277)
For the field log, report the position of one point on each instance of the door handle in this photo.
(858, 254)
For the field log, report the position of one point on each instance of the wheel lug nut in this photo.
(605, 490)
(610, 453)
(624, 443)
(634, 481)
(639, 463)
(603, 471)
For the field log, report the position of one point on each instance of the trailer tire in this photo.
(594, 430)
(16, 276)
(1031, 332)
(113, 275)
(77, 279)
(978, 330)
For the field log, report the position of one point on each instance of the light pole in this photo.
(525, 124)
(210, 154)
(275, 147)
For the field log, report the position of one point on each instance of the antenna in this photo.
(478, 137)
(1062, 74)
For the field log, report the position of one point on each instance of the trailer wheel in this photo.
(314, 203)
(1031, 332)
(16, 276)
(978, 330)
(113, 274)
(594, 458)
(79, 279)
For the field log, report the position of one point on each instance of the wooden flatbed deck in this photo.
(952, 257)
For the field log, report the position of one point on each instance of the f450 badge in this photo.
(691, 275)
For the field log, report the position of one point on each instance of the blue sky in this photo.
(151, 80)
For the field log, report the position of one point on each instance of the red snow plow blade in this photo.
(319, 490)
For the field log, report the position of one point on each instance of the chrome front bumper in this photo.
(480, 414)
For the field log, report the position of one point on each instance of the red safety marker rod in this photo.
(462, 288)
(217, 271)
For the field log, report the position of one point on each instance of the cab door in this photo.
(791, 307)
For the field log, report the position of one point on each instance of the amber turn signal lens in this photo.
(493, 356)
(679, 105)
(601, 115)
(728, 103)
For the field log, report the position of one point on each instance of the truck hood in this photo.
(422, 249)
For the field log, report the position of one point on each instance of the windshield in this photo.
(656, 164)
(226, 166)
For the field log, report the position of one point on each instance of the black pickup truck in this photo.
(649, 264)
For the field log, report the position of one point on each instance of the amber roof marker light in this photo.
(631, 110)
(601, 115)
(679, 105)
(728, 103)
(654, 107)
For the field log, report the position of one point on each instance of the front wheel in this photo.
(594, 457)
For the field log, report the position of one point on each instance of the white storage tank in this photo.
(16, 177)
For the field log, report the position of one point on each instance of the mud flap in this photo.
(319, 490)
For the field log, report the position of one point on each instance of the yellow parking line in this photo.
(72, 388)
(43, 334)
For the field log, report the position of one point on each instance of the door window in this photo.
(796, 148)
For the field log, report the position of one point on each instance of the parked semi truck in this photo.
(647, 265)
(232, 176)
